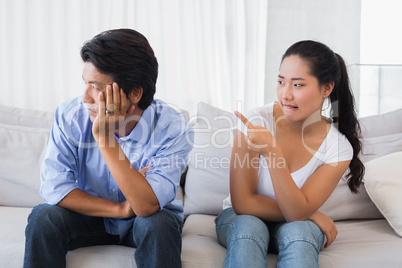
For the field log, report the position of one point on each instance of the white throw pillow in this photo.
(383, 182)
(21, 153)
(207, 179)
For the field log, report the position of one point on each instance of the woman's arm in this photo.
(298, 204)
(243, 186)
(244, 166)
(294, 203)
(326, 225)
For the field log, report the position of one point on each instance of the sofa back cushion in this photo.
(382, 135)
(24, 136)
(25, 117)
(381, 125)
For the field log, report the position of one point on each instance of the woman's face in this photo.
(299, 93)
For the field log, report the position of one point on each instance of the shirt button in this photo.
(113, 190)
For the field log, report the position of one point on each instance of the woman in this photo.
(287, 159)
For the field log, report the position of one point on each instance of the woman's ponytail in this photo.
(343, 114)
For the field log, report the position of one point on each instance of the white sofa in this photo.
(369, 223)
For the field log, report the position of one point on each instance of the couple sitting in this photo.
(115, 157)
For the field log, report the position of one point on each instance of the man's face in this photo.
(95, 82)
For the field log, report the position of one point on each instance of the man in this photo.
(113, 162)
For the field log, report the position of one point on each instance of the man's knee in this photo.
(46, 218)
(45, 213)
(160, 223)
(37, 227)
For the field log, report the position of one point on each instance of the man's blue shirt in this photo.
(162, 137)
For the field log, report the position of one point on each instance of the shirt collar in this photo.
(143, 128)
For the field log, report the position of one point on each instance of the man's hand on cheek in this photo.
(112, 111)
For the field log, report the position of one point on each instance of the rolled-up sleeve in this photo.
(59, 167)
(167, 166)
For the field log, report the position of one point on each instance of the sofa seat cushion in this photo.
(200, 244)
(101, 257)
(12, 236)
(358, 244)
(363, 243)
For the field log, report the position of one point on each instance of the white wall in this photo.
(335, 23)
(40, 74)
(381, 57)
(381, 37)
(208, 50)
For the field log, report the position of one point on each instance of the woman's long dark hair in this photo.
(328, 67)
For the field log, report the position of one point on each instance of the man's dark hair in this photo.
(126, 56)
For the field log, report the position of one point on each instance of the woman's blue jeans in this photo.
(248, 240)
(52, 231)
